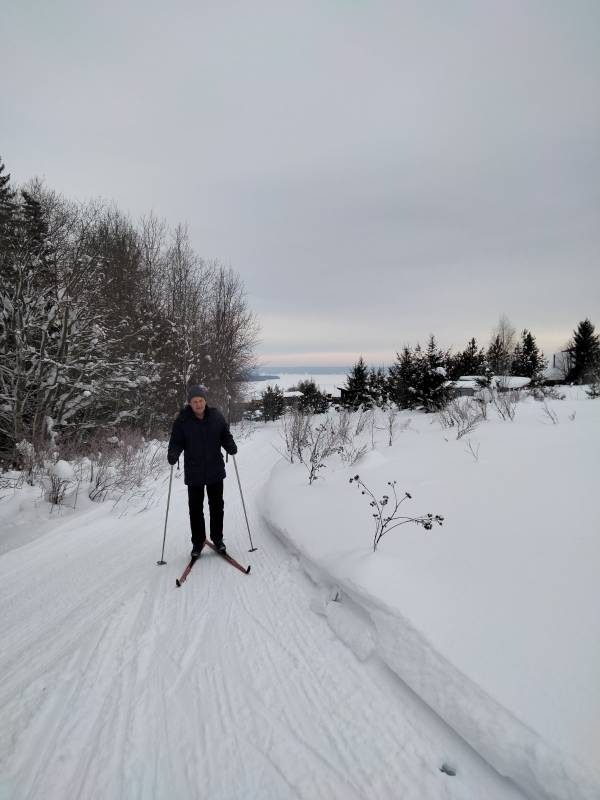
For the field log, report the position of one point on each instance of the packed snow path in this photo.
(116, 684)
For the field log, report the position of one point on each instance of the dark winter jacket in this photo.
(201, 441)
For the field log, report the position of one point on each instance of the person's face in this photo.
(198, 405)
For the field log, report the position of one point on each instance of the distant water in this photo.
(328, 379)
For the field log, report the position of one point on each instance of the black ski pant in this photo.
(215, 507)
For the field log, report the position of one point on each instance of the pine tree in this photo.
(7, 196)
(273, 404)
(528, 360)
(357, 389)
(470, 362)
(419, 377)
(431, 389)
(402, 378)
(34, 221)
(8, 209)
(377, 387)
(585, 353)
(312, 399)
(497, 357)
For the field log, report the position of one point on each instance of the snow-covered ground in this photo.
(328, 671)
(493, 619)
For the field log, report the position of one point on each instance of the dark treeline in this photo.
(105, 322)
(420, 376)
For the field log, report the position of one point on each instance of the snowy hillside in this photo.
(116, 684)
(493, 618)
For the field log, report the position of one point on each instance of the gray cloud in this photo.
(375, 171)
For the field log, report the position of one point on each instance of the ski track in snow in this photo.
(116, 684)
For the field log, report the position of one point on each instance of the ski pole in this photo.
(228, 421)
(252, 548)
(162, 558)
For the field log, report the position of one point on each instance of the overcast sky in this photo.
(375, 171)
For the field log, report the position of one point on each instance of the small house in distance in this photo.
(292, 398)
(471, 385)
(464, 387)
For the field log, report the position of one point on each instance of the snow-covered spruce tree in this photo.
(272, 403)
(528, 360)
(470, 361)
(496, 357)
(357, 386)
(431, 390)
(584, 351)
(402, 378)
(377, 387)
(419, 377)
(312, 400)
(7, 215)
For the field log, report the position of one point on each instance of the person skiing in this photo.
(200, 431)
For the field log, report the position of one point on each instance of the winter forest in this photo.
(105, 322)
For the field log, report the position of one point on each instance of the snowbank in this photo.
(493, 619)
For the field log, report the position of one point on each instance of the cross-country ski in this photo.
(229, 559)
(186, 571)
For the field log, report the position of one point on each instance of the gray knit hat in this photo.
(196, 391)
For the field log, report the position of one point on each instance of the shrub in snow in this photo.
(351, 452)
(462, 414)
(27, 457)
(60, 477)
(473, 449)
(294, 431)
(506, 403)
(63, 471)
(337, 434)
(391, 418)
(550, 414)
(385, 519)
(123, 469)
(593, 390)
(322, 443)
(543, 393)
